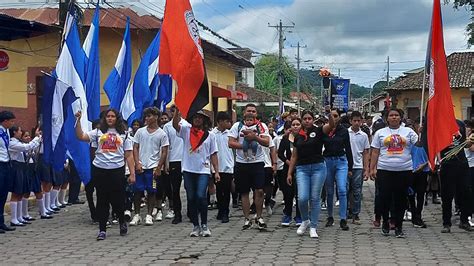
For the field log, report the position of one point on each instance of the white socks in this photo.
(24, 203)
(62, 197)
(41, 209)
(54, 197)
(212, 198)
(13, 209)
(19, 213)
(47, 201)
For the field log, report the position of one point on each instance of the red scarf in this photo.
(303, 134)
(332, 133)
(195, 138)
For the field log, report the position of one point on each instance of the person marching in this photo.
(150, 149)
(199, 152)
(391, 164)
(114, 147)
(307, 158)
(7, 119)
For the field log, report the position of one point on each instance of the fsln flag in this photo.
(70, 70)
(439, 129)
(92, 72)
(118, 81)
(182, 57)
(57, 99)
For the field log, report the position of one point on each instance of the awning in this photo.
(241, 96)
(218, 92)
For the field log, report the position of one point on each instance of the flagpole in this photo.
(422, 96)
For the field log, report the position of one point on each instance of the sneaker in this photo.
(285, 220)
(471, 221)
(260, 223)
(170, 214)
(269, 209)
(385, 229)
(101, 236)
(392, 224)
(324, 206)
(298, 221)
(128, 215)
(159, 216)
(330, 222)
(446, 229)
(108, 224)
(343, 225)
(205, 232)
(409, 216)
(313, 233)
(247, 224)
(337, 203)
(123, 229)
(465, 226)
(356, 220)
(225, 217)
(115, 221)
(220, 214)
(177, 220)
(196, 231)
(419, 224)
(376, 223)
(399, 233)
(137, 219)
(148, 220)
(154, 212)
(302, 228)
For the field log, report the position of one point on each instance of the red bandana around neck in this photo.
(303, 134)
(195, 137)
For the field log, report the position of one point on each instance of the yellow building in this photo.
(35, 49)
(406, 90)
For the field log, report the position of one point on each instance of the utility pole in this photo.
(281, 28)
(298, 82)
(388, 71)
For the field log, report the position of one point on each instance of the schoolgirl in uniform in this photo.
(20, 184)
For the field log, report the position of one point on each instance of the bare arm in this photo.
(234, 143)
(79, 133)
(330, 125)
(163, 158)
(291, 167)
(131, 166)
(176, 120)
(215, 165)
(374, 158)
(136, 157)
(366, 162)
(273, 156)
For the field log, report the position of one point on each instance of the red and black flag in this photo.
(440, 124)
(182, 57)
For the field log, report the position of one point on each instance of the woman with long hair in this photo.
(307, 158)
(391, 164)
(114, 147)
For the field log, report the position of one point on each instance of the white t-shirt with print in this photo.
(150, 145)
(395, 148)
(236, 133)
(225, 154)
(276, 142)
(267, 154)
(111, 147)
(199, 160)
(359, 143)
(175, 151)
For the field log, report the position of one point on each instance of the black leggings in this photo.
(110, 186)
(289, 193)
(393, 189)
(455, 181)
(417, 183)
(172, 186)
(223, 190)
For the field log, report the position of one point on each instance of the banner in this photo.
(340, 94)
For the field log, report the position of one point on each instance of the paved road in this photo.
(70, 239)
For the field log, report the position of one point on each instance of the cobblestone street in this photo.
(69, 238)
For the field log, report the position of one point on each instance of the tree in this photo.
(266, 74)
(470, 27)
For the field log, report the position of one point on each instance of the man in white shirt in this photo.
(226, 165)
(150, 149)
(250, 173)
(360, 153)
(173, 177)
(6, 121)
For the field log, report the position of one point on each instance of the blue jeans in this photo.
(337, 169)
(196, 193)
(310, 180)
(4, 187)
(355, 186)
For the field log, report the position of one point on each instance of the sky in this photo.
(354, 37)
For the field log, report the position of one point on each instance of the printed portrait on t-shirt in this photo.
(110, 142)
(395, 144)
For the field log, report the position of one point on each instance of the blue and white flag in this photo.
(165, 92)
(340, 94)
(70, 71)
(281, 122)
(118, 81)
(92, 74)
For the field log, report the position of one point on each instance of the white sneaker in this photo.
(337, 203)
(148, 220)
(137, 219)
(409, 216)
(471, 221)
(154, 212)
(196, 231)
(205, 232)
(269, 210)
(128, 215)
(313, 233)
(159, 216)
(302, 228)
(170, 214)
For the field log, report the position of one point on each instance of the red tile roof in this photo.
(109, 17)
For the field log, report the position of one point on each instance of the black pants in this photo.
(74, 183)
(455, 180)
(90, 187)
(172, 186)
(110, 186)
(393, 190)
(471, 187)
(223, 191)
(417, 183)
(289, 193)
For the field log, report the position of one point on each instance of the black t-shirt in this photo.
(460, 158)
(310, 149)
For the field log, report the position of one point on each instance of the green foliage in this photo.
(470, 27)
(266, 74)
